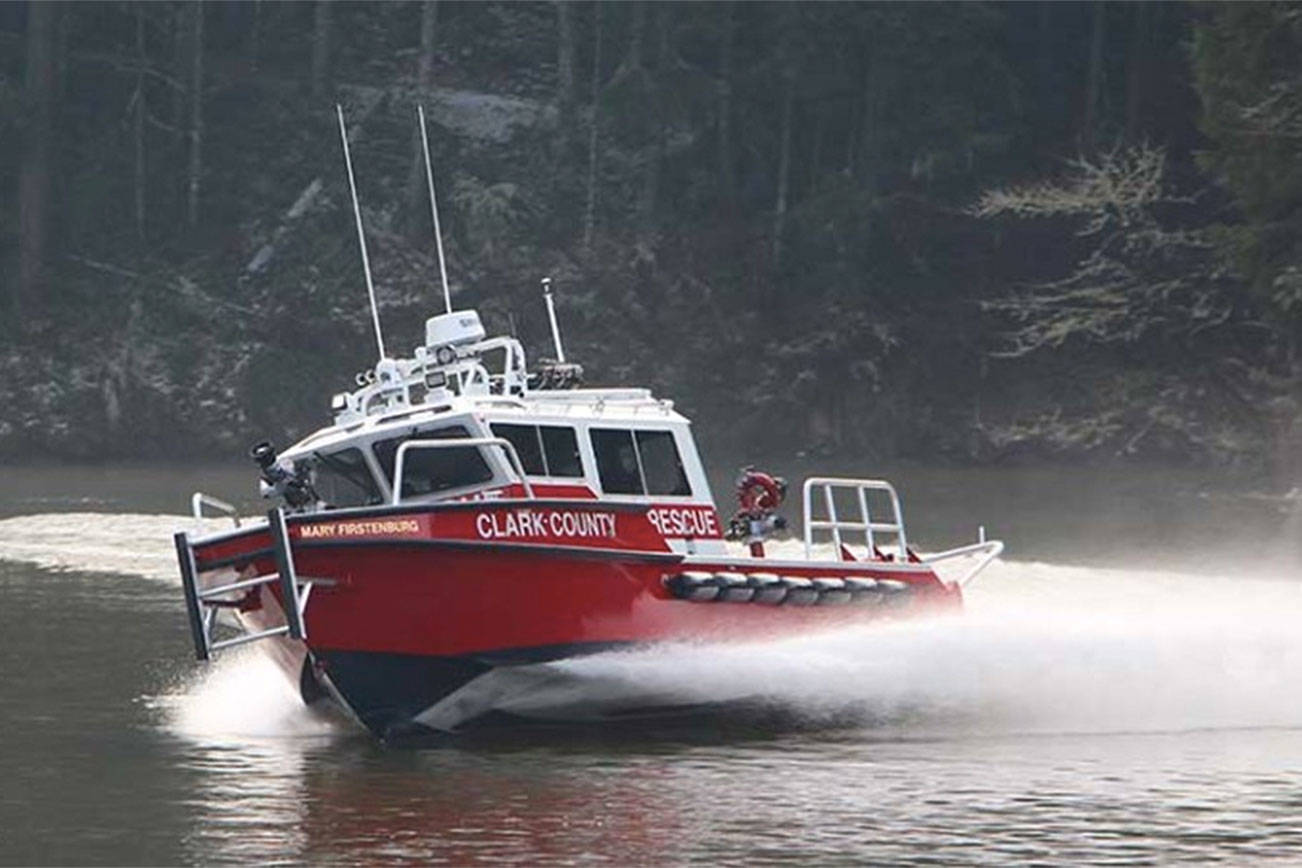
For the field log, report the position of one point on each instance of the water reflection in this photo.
(840, 797)
(457, 807)
(274, 783)
(349, 801)
(248, 804)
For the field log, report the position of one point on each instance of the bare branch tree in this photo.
(1140, 279)
(1117, 186)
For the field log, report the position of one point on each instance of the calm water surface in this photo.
(1122, 690)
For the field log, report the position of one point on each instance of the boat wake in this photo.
(123, 543)
(1041, 648)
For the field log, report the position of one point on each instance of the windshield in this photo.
(342, 479)
(426, 471)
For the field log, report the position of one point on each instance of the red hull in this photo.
(478, 584)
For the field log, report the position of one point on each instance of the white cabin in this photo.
(517, 430)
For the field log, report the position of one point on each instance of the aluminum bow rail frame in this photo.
(203, 604)
(830, 522)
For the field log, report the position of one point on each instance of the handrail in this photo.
(198, 500)
(505, 445)
(992, 548)
(866, 523)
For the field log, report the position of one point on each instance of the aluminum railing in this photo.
(199, 500)
(835, 525)
(988, 549)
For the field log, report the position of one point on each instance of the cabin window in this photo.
(661, 466)
(643, 463)
(545, 450)
(426, 471)
(527, 445)
(343, 479)
(561, 448)
(616, 461)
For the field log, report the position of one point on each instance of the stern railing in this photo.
(834, 524)
(830, 522)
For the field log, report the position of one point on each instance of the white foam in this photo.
(1041, 648)
(240, 696)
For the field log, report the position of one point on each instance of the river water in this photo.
(1122, 689)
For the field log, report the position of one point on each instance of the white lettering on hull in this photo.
(560, 524)
(684, 522)
(373, 527)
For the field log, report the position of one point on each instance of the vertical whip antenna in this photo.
(434, 209)
(361, 236)
(551, 315)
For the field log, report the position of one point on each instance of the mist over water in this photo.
(1026, 659)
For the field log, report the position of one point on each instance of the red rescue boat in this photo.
(464, 515)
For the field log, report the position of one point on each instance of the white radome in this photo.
(453, 329)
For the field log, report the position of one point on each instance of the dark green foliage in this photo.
(1248, 65)
(1180, 309)
(780, 237)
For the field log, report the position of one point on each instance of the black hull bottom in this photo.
(390, 693)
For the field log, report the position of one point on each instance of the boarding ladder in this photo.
(203, 604)
(828, 521)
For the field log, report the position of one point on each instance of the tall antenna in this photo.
(551, 315)
(361, 237)
(434, 209)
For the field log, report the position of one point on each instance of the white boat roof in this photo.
(448, 378)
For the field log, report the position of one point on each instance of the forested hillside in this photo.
(974, 230)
